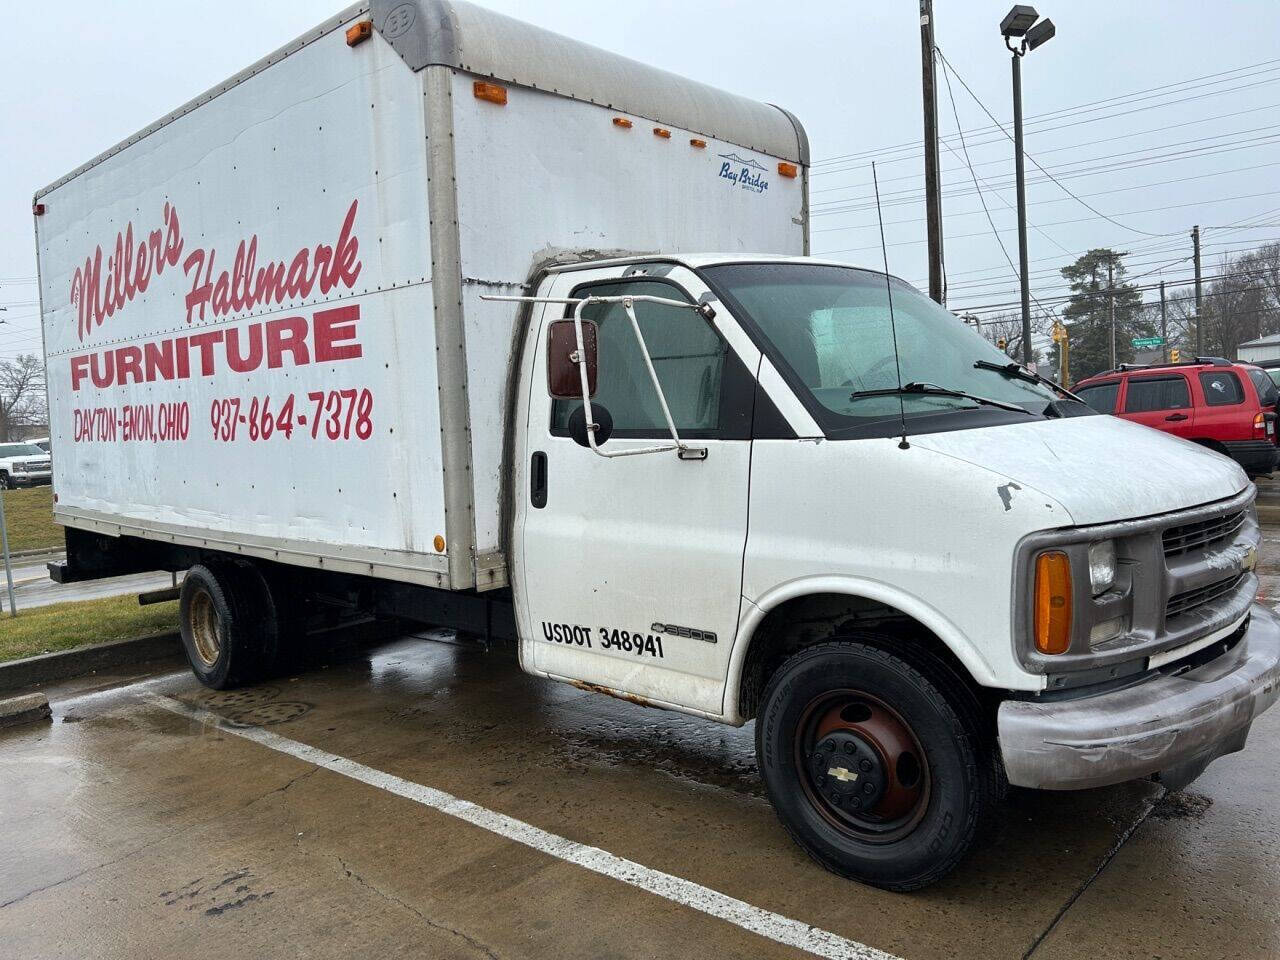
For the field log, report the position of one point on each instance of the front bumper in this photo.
(1173, 724)
(31, 479)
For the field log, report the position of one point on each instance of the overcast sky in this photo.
(84, 74)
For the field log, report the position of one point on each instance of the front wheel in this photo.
(877, 767)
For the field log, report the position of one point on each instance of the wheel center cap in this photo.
(846, 770)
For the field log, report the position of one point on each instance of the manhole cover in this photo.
(266, 714)
(235, 699)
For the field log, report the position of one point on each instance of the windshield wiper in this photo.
(1018, 372)
(933, 390)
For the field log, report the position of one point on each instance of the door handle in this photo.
(538, 479)
(1176, 416)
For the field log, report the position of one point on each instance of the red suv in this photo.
(1229, 407)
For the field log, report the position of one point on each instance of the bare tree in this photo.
(22, 395)
(1005, 331)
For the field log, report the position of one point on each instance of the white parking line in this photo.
(776, 927)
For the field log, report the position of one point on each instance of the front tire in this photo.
(877, 767)
(228, 623)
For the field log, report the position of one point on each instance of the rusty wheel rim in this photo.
(206, 630)
(862, 766)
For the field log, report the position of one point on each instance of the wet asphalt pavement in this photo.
(154, 818)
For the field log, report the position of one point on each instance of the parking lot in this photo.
(425, 798)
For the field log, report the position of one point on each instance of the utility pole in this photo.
(1164, 327)
(1111, 304)
(1195, 246)
(932, 187)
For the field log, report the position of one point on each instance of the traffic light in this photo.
(1173, 355)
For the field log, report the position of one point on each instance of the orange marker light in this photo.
(662, 132)
(359, 32)
(438, 543)
(788, 170)
(490, 91)
(622, 122)
(1053, 602)
(698, 144)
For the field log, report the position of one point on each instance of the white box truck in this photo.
(745, 484)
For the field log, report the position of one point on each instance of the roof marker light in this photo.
(492, 92)
(359, 32)
(788, 170)
(622, 122)
(698, 144)
(662, 132)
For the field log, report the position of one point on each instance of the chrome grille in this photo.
(1191, 599)
(1202, 533)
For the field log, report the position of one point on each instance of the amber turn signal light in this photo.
(490, 91)
(1053, 602)
(359, 32)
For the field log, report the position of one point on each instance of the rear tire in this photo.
(228, 622)
(878, 767)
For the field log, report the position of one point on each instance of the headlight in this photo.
(19, 468)
(1102, 566)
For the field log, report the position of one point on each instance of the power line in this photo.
(1059, 223)
(1090, 106)
(1130, 135)
(1098, 193)
(1188, 150)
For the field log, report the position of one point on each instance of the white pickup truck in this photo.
(24, 465)
(411, 317)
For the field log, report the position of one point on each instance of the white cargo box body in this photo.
(262, 316)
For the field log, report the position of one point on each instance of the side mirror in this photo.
(577, 425)
(564, 381)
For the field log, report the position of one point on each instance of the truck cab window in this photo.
(688, 356)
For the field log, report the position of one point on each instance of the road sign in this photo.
(1147, 341)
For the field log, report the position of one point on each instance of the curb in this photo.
(37, 552)
(24, 709)
(65, 664)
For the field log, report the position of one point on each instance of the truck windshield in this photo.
(830, 328)
(21, 450)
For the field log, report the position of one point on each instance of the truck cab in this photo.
(921, 572)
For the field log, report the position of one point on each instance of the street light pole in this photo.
(1021, 22)
(1022, 209)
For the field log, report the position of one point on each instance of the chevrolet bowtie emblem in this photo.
(840, 773)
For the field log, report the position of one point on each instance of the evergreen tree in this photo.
(1087, 318)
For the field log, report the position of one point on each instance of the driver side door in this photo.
(632, 566)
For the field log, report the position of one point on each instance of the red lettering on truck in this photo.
(329, 336)
(97, 294)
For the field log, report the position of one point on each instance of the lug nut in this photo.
(848, 748)
(855, 803)
(865, 766)
(868, 787)
(821, 780)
